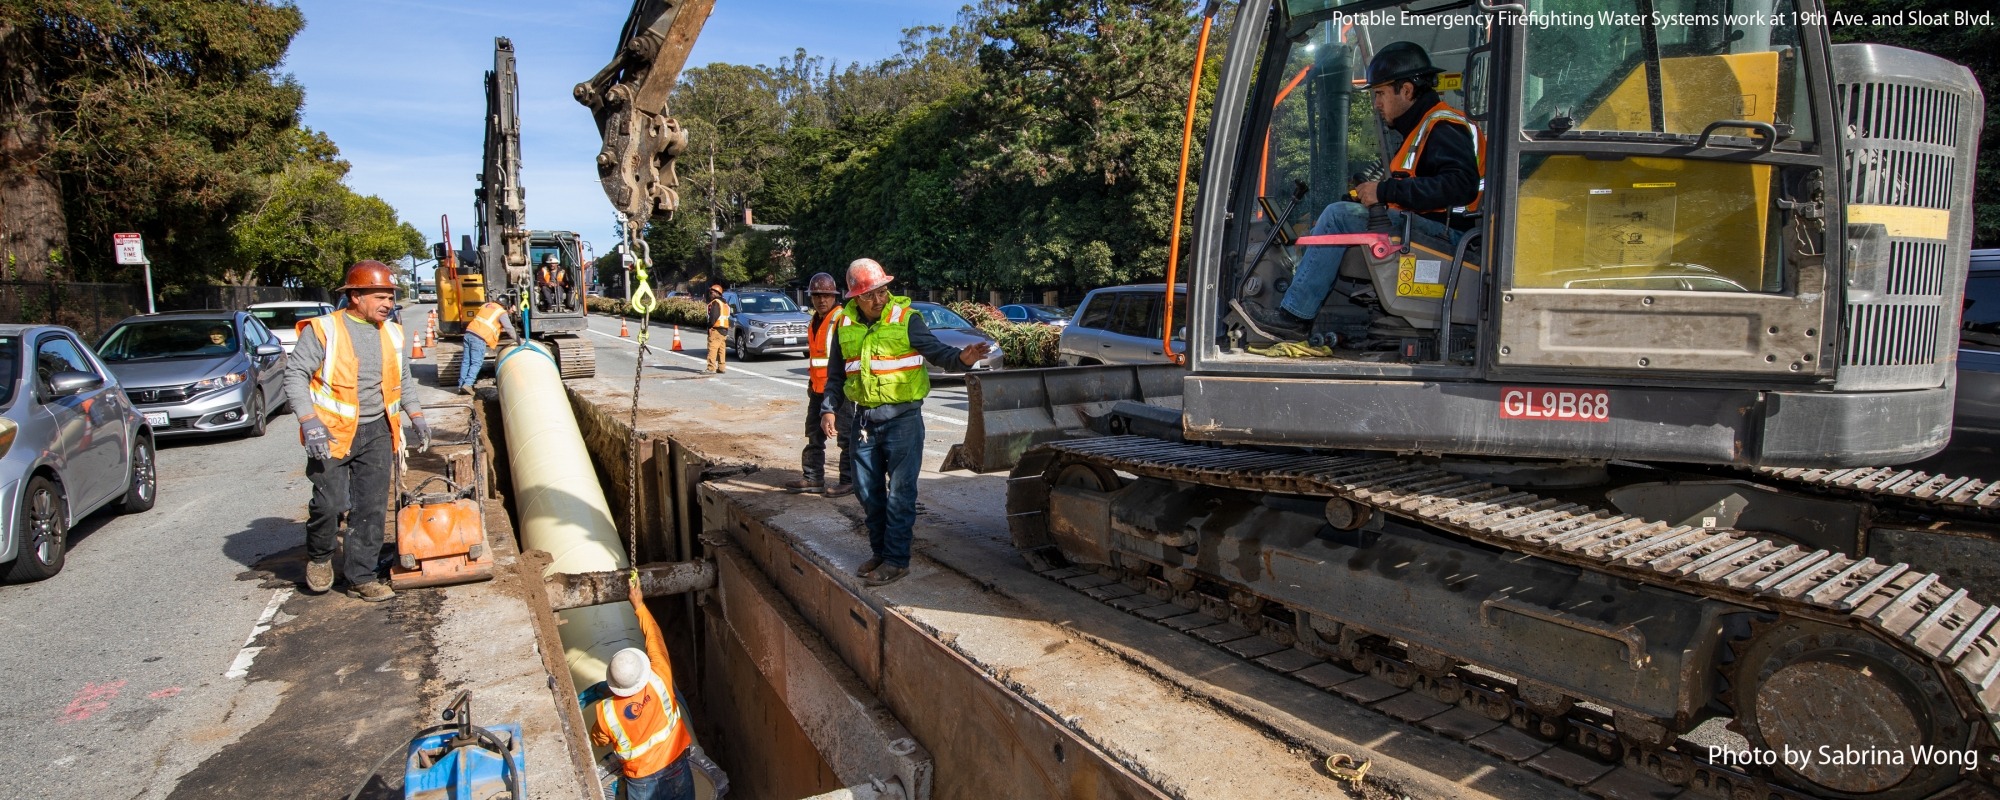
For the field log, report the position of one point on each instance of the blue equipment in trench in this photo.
(462, 761)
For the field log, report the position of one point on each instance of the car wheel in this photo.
(145, 487)
(44, 538)
(743, 347)
(260, 414)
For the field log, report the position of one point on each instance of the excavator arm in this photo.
(628, 98)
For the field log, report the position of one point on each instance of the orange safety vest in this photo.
(820, 348)
(646, 728)
(335, 385)
(486, 323)
(722, 317)
(1404, 164)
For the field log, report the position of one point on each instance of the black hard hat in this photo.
(1400, 61)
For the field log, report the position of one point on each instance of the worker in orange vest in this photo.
(554, 283)
(643, 721)
(345, 380)
(718, 330)
(824, 295)
(483, 334)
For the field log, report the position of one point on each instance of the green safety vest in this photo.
(882, 367)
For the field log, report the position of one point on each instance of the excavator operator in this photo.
(553, 282)
(1436, 174)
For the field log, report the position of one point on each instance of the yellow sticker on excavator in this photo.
(1450, 81)
(1419, 278)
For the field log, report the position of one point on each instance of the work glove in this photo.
(319, 440)
(423, 432)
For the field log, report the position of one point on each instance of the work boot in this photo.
(867, 567)
(1277, 325)
(319, 575)
(885, 575)
(840, 490)
(372, 591)
(805, 486)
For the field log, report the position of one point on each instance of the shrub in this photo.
(1026, 345)
(669, 311)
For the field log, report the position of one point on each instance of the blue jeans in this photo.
(475, 357)
(1314, 277)
(887, 457)
(675, 782)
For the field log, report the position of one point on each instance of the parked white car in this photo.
(1121, 325)
(283, 318)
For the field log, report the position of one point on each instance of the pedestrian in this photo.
(826, 311)
(876, 361)
(718, 330)
(345, 380)
(483, 334)
(643, 721)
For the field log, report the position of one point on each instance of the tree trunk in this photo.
(33, 228)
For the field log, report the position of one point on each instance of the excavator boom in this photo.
(628, 98)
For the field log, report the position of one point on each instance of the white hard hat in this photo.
(628, 672)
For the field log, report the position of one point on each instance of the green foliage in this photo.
(309, 226)
(681, 311)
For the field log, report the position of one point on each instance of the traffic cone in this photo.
(416, 349)
(677, 338)
(623, 332)
(431, 337)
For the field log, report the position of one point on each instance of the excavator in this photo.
(1619, 462)
(507, 257)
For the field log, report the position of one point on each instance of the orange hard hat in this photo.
(864, 276)
(369, 274)
(715, 288)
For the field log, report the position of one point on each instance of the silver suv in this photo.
(761, 323)
(1121, 325)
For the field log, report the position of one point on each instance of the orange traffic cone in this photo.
(677, 338)
(431, 337)
(416, 349)
(623, 332)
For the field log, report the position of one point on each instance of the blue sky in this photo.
(398, 85)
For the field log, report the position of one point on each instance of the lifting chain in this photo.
(642, 301)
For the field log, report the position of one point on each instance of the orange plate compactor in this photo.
(441, 535)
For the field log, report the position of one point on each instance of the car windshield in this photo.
(168, 338)
(941, 318)
(285, 317)
(10, 367)
(1048, 312)
(764, 304)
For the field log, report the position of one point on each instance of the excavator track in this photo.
(1896, 487)
(576, 357)
(1803, 599)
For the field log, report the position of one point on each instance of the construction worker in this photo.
(642, 721)
(825, 298)
(718, 331)
(877, 361)
(345, 380)
(1437, 175)
(483, 334)
(553, 282)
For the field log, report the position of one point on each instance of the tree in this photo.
(139, 115)
(307, 226)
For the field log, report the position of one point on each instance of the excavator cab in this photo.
(1657, 267)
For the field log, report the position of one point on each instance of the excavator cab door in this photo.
(1662, 195)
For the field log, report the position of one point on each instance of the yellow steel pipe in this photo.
(561, 507)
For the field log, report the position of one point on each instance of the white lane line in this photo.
(792, 382)
(241, 666)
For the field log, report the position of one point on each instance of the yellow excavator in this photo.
(1615, 458)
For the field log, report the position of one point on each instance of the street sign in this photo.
(129, 248)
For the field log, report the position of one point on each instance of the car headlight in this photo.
(219, 382)
(759, 324)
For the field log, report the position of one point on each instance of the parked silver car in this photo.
(954, 330)
(761, 323)
(1121, 325)
(198, 371)
(1978, 407)
(70, 444)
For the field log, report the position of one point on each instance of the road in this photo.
(173, 656)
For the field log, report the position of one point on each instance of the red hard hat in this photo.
(369, 274)
(864, 276)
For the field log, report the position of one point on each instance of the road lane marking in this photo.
(241, 666)
(792, 382)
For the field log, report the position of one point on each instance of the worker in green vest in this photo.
(878, 361)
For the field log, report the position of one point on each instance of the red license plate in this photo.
(1555, 405)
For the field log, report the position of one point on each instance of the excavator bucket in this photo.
(440, 543)
(1009, 411)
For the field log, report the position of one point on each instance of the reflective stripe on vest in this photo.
(1404, 164)
(721, 317)
(335, 386)
(882, 366)
(486, 323)
(641, 758)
